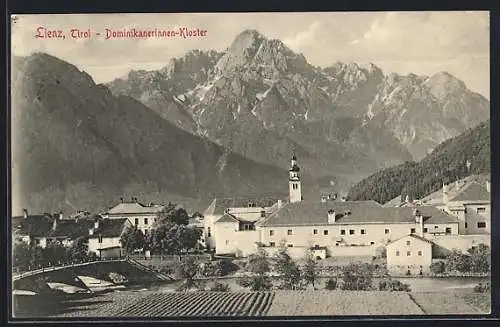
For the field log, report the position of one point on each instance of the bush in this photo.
(220, 287)
(357, 277)
(482, 288)
(217, 268)
(437, 267)
(331, 284)
(393, 285)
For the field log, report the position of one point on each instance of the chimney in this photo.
(331, 216)
(121, 199)
(488, 186)
(343, 199)
(96, 224)
(91, 231)
(323, 198)
(457, 185)
(61, 216)
(280, 203)
(54, 223)
(25, 213)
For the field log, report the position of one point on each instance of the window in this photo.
(351, 231)
(227, 242)
(136, 221)
(420, 253)
(272, 244)
(425, 230)
(481, 210)
(342, 232)
(397, 253)
(412, 231)
(363, 232)
(465, 225)
(271, 232)
(315, 231)
(386, 231)
(325, 232)
(408, 253)
(262, 214)
(371, 243)
(407, 242)
(289, 232)
(145, 221)
(481, 224)
(290, 245)
(448, 230)
(209, 234)
(155, 220)
(436, 227)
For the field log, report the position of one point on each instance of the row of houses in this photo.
(335, 227)
(458, 215)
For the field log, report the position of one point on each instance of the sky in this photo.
(402, 42)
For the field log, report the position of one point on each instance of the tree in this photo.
(289, 272)
(310, 271)
(173, 238)
(357, 277)
(258, 266)
(54, 254)
(331, 284)
(171, 213)
(132, 239)
(79, 250)
(187, 270)
(480, 258)
(458, 261)
(22, 255)
(381, 252)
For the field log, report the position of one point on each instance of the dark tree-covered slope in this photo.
(454, 159)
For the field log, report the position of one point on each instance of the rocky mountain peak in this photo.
(443, 83)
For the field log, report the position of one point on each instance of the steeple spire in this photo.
(294, 181)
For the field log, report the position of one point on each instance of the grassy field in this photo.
(338, 303)
(442, 303)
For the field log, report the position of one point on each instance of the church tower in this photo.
(294, 181)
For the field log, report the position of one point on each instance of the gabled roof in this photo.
(351, 212)
(33, 225)
(227, 218)
(134, 208)
(218, 206)
(473, 192)
(71, 228)
(412, 236)
(110, 228)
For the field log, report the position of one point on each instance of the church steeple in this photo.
(294, 181)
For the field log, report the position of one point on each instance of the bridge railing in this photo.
(17, 274)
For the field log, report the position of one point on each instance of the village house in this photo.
(236, 215)
(471, 205)
(104, 237)
(140, 215)
(409, 255)
(40, 230)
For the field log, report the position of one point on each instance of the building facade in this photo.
(139, 215)
(409, 255)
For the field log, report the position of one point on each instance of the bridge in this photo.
(135, 273)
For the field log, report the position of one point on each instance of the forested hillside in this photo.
(456, 158)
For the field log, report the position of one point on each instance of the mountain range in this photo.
(222, 124)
